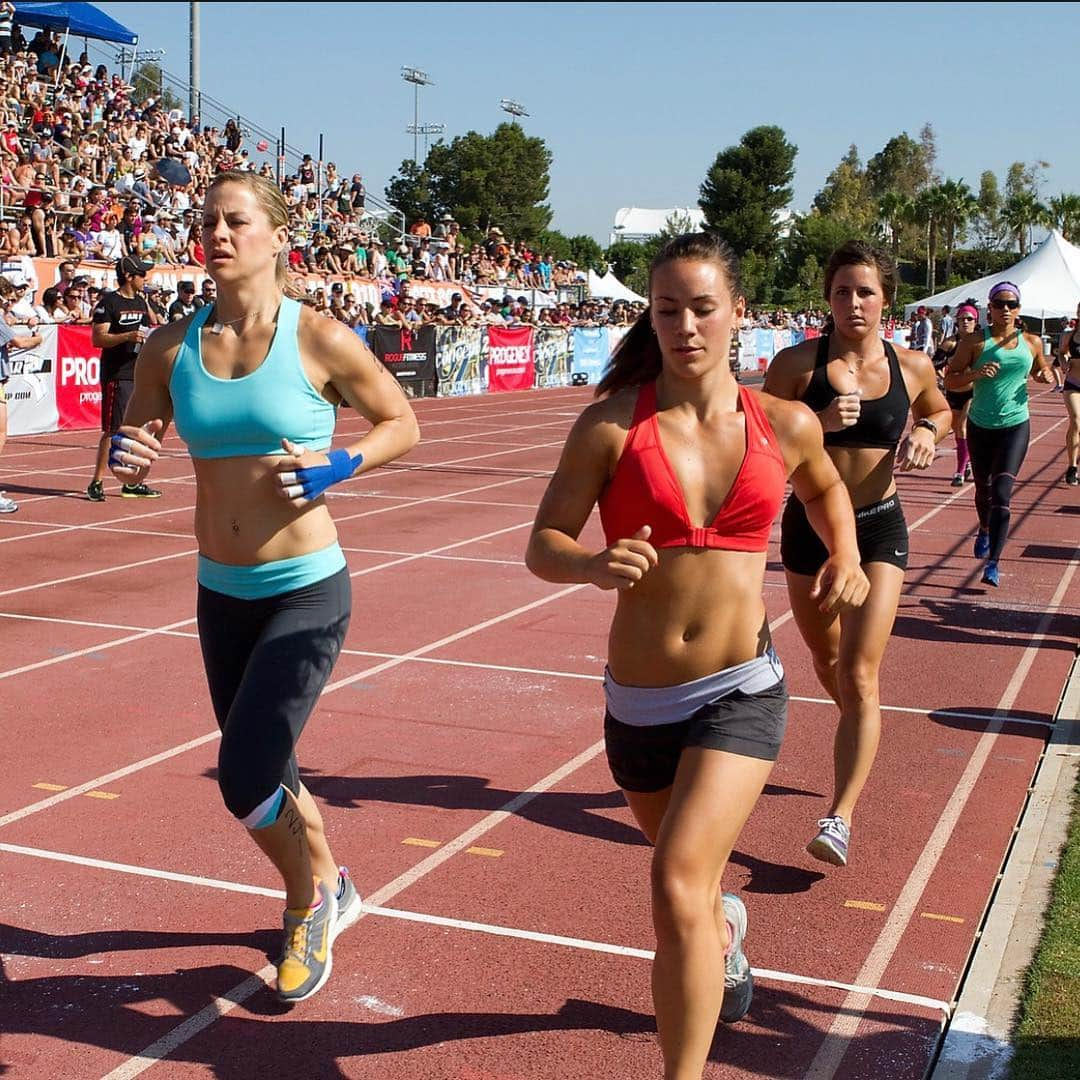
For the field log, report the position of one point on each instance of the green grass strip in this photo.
(1047, 1040)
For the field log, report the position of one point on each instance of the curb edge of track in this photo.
(978, 1040)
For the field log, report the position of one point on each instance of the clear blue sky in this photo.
(635, 100)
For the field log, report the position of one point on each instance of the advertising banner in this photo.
(78, 379)
(592, 347)
(409, 355)
(460, 360)
(511, 353)
(554, 356)
(31, 388)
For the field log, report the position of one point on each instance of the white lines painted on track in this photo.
(828, 1059)
(98, 573)
(450, 923)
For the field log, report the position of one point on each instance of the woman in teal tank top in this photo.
(995, 364)
(252, 383)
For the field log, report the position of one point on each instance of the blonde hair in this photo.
(273, 205)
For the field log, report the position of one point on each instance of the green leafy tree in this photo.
(813, 238)
(929, 211)
(746, 188)
(629, 261)
(894, 210)
(846, 194)
(1021, 213)
(958, 206)
(148, 81)
(989, 229)
(583, 250)
(1064, 214)
(499, 179)
(410, 192)
(901, 165)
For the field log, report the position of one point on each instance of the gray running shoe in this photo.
(831, 843)
(738, 979)
(7, 506)
(348, 900)
(306, 960)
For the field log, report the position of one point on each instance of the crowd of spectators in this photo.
(78, 155)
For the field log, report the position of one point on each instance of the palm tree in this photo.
(959, 206)
(1020, 213)
(1064, 214)
(893, 210)
(929, 211)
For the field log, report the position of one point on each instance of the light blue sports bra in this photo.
(220, 418)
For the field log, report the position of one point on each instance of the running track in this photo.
(456, 758)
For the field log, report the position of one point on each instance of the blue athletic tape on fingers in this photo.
(315, 479)
(116, 448)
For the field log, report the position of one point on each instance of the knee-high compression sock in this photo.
(962, 455)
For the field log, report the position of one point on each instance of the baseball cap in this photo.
(920, 311)
(187, 286)
(129, 266)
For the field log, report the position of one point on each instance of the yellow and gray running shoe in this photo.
(306, 959)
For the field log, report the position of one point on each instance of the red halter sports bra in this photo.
(646, 491)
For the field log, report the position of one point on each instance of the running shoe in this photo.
(95, 491)
(1072, 476)
(306, 958)
(7, 506)
(982, 544)
(139, 491)
(990, 574)
(831, 843)
(738, 980)
(969, 473)
(958, 480)
(348, 902)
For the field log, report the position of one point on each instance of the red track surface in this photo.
(465, 683)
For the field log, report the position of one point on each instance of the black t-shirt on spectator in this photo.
(122, 315)
(179, 310)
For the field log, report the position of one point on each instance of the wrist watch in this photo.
(928, 424)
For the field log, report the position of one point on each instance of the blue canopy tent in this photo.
(82, 20)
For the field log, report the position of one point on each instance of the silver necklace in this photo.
(219, 327)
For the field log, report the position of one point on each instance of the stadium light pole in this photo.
(418, 78)
(426, 130)
(514, 108)
(193, 55)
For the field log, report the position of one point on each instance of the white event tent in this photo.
(1048, 279)
(609, 287)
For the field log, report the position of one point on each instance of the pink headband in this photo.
(967, 309)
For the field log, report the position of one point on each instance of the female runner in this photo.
(1069, 354)
(967, 320)
(863, 391)
(253, 381)
(696, 701)
(995, 365)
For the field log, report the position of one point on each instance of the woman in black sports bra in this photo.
(863, 391)
(1069, 353)
(967, 322)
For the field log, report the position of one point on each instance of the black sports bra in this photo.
(881, 420)
(1074, 347)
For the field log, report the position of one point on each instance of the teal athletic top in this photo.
(1002, 401)
(220, 418)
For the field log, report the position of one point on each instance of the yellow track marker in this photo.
(941, 918)
(492, 853)
(421, 843)
(864, 905)
(52, 787)
(101, 795)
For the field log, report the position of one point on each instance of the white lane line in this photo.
(203, 1019)
(426, 919)
(75, 654)
(98, 573)
(850, 1014)
(98, 625)
(100, 781)
(959, 714)
(130, 521)
(386, 665)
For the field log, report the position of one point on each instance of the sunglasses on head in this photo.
(1001, 305)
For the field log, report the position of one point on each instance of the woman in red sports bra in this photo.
(689, 469)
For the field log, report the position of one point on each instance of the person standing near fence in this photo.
(122, 322)
(696, 698)
(996, 365)
(253, 381)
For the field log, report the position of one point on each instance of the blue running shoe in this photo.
(982, 544)
(990, 574)
(738, 980)
(831, 843)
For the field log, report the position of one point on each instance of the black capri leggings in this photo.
(996, 457)
(266, 662)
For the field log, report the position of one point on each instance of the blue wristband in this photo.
(315, 479)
